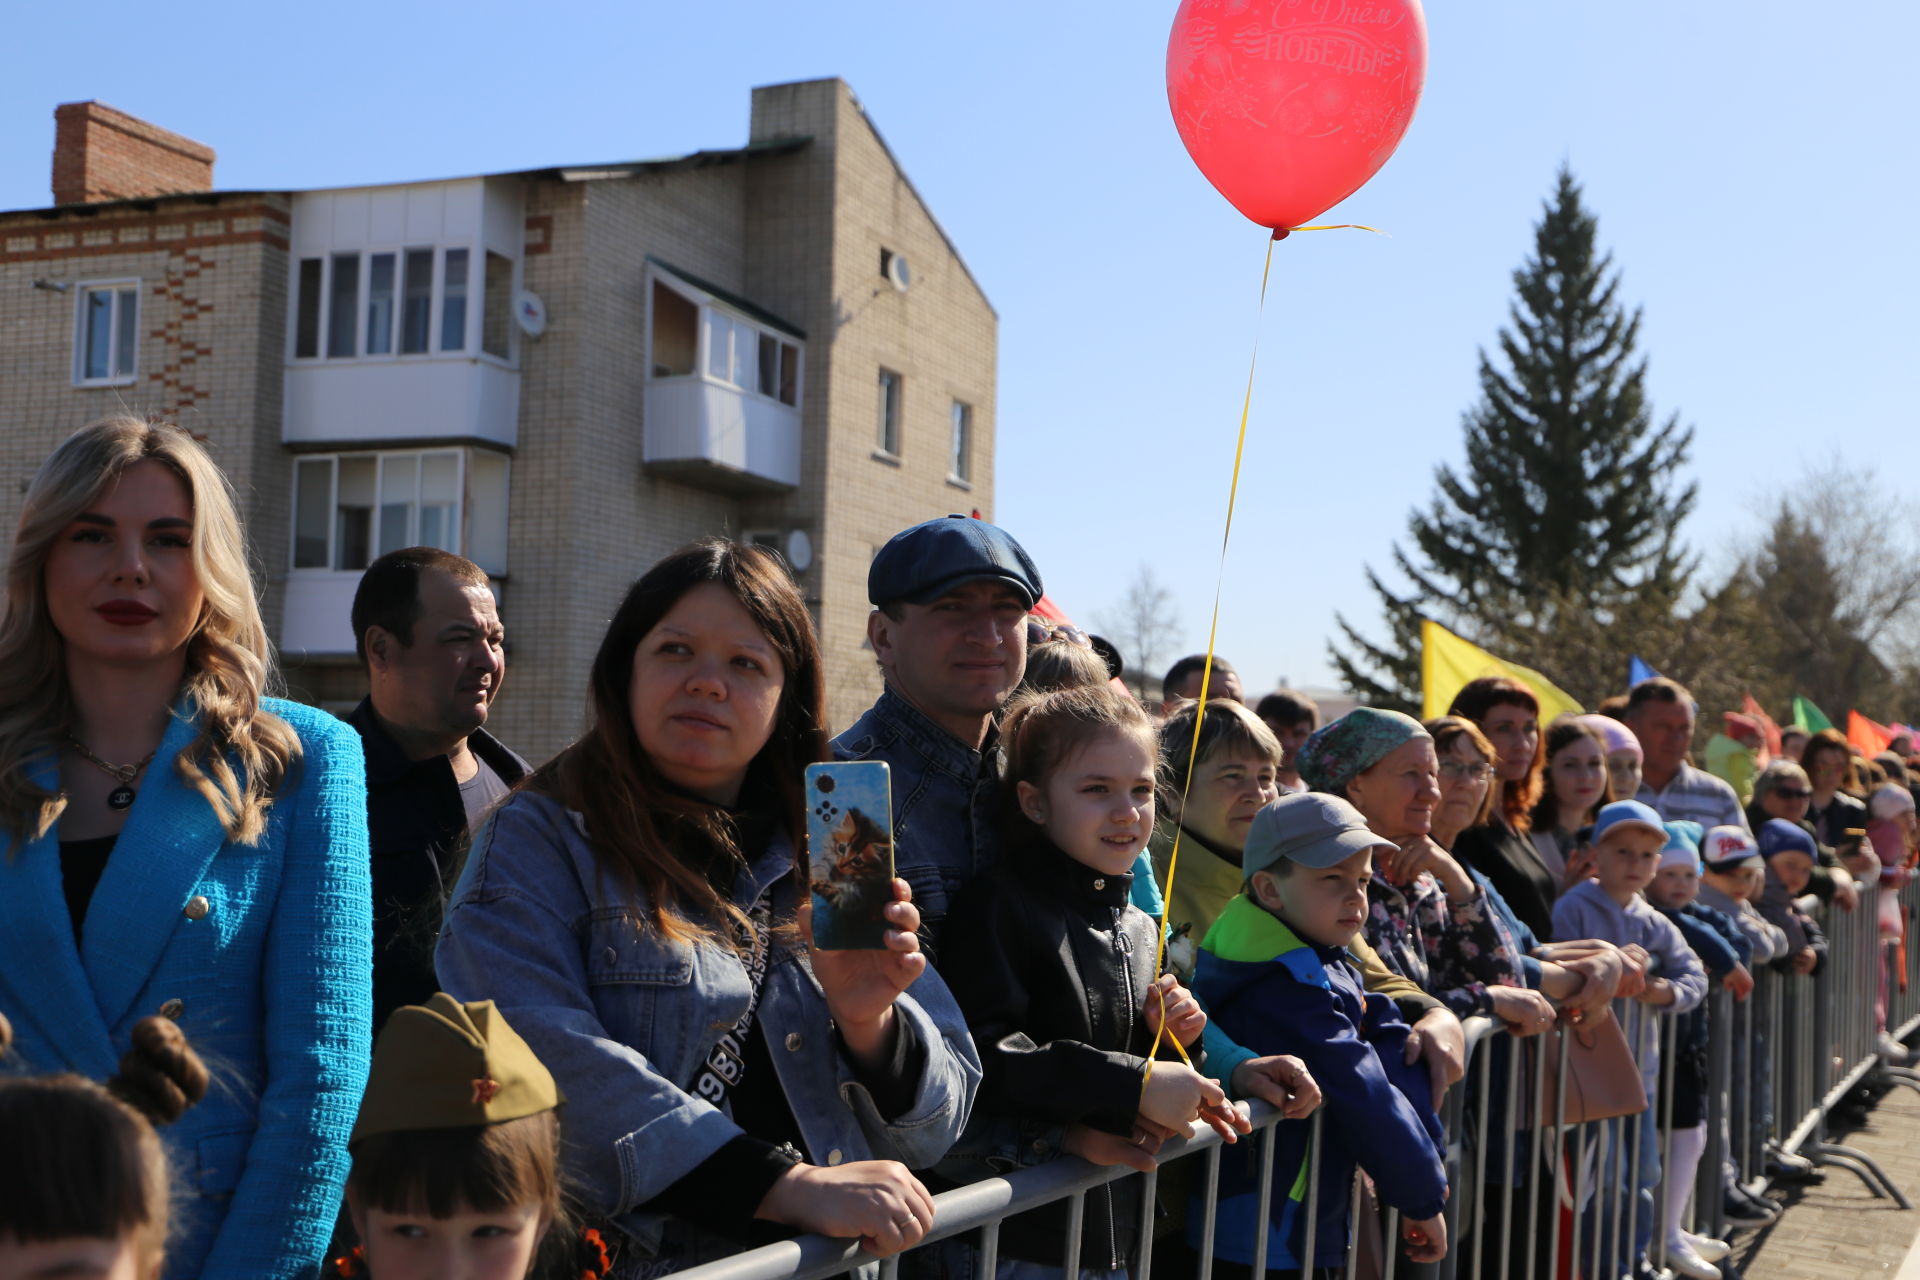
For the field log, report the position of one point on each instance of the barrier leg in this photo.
(1307, 1254)
(1076, 1223)
(1264, 1210)
(1208, 1215)
(1143, 1251)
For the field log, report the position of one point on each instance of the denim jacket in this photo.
(945, 802)
(625, 1019)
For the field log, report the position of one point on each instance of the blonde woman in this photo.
(178, 843)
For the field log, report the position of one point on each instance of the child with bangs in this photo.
(1055, 971)
(456, 1156)
(85, 1190)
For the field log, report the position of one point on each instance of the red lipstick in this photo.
(126, 613)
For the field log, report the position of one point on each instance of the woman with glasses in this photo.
(1578, 783)
(1508, 714)
(1466, 798)
(1782, 790)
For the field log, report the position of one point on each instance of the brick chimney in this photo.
(103, 154)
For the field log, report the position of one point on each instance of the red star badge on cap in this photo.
(484, 1089)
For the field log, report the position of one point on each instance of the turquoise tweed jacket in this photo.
(263, 954)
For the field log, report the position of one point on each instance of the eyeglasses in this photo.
(1040, 631)
(1792, 794)
(1456, 771)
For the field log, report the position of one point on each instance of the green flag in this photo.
(1809, 717)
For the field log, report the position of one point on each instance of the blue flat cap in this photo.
(921, 564)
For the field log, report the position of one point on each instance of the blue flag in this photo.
(1638, 670)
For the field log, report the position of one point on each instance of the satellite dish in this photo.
(799, 550)
(530, 313)
(897, 274)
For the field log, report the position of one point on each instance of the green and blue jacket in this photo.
(1274, 992)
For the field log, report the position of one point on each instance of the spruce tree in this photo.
(1569, 489)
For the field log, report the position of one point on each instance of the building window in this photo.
(676, 333)
(739, 352)
(406, 291)
(453, 301)
(960, 464)
(496, 310)
(351, 508)
(889, 412)
(107, 333)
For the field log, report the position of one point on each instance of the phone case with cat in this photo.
(850, 853)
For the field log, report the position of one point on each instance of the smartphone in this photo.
(850, 853)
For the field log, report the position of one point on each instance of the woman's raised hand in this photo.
(861, 986)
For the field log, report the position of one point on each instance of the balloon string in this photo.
(1281, 233)
(1206, 677)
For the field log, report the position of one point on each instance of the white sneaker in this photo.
(1683, 1261)
(1706, 1246)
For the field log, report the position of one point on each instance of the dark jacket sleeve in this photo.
(987, 960)
(1377, 1119)
(1816, 938)
(1715, 952)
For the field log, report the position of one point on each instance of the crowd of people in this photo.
(606, 1042)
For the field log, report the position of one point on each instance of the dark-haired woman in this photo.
(632, 909)
(1509, 715)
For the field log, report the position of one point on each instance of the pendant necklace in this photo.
(121, 797)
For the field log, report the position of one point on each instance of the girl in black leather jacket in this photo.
(1054, 969)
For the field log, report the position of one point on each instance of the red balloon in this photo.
(1289, 106)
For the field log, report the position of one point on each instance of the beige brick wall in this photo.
(212, 324)
(586, 519)
(940, 335)
(798, 233)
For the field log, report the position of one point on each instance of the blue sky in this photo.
(1753, 167)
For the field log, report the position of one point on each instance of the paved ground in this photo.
(1837, 1229)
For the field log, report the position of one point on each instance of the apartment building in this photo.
(561, 374)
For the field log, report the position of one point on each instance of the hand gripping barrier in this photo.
(1533, 1197)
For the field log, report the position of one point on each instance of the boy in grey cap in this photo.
(1274, 974)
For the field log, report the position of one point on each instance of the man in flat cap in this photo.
(949, 629)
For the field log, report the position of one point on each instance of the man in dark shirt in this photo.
(425, 627)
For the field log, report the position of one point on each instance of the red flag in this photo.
(1870, 736)
(1768, 729)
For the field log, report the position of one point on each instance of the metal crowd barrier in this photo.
(1533, 1197)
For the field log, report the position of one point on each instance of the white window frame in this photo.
(469, 349)
(890, 443)
(704, 304)
(85, 289)
(960, 443)
(379, 456)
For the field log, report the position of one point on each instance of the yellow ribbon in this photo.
(1281, 233)
(1206, 671)
(1213, 631)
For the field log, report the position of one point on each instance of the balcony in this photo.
(718, 436)
(371, 402)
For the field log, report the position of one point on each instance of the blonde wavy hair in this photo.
(242, 754)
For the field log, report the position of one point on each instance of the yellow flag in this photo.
(1447, 663)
